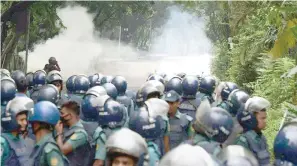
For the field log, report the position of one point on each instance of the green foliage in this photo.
(257, 30)
(221, 62)
(271, 85)
(45, 21)
(276, 89)
(44, 24)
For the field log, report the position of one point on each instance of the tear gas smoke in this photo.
(182, 46)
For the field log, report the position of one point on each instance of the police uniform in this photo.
(189, 106)
(257, 144)
(203, 96)
(47, 152)
(5, 150)
(225, 106)
(100, 139)
(154, 153)
(100, 136)
(166, 132)
(13, 150)
(209, 145)
(180, 129)
(77, 137)
(180, 124)
(75, 97)
(128, 102)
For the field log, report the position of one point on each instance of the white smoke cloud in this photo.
(182, 44)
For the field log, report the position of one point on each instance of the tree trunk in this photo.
(8, 52)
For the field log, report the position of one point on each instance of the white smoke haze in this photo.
(182, 46)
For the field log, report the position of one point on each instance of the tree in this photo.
(136, 19)
(44, 24)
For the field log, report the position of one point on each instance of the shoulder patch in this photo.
(74, 136)
(54, 161)
(50, 147)
(79, 134)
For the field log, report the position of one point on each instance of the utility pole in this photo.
(120, 34)
(150, 35)
(27, 40)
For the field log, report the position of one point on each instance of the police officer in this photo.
(106, 79)
(21, 83)
(81, 84)
(234, 104)
(55, 78)
(253, 121)
(90, 123)
(4, 73)
(53, 65)
(14, 150)
(95, 79)
(236, 99)
(77, 86)
(111, 116)
(157, 84)
(132, 95)
(175, 83)
(156, 77)
(145, 93)
(225, 91)
(70, 84)
(45, 116)
(234, 155)
(30, 84)
(182, 75)
(111, 90)
(149, 128)
(159, 107)
(121, 85)
(8, 91)
(39, 79)
(96, 91)
(47, 92)
(186, 155)
(212, 126)
(189, 103)
(180, 124)
(127, 153)
(113, 93)
(285, 145)
(73, 141)
(206, 88)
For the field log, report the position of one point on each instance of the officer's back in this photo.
(189, 103)
(46, 151)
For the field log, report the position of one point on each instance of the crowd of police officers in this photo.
(172, 120)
